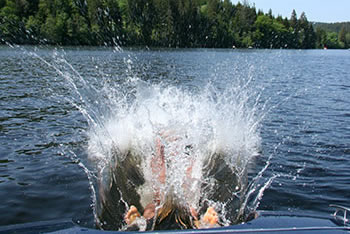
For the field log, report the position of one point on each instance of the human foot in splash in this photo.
(131, 215)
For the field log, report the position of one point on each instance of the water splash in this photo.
(216, 136)
(216, 132)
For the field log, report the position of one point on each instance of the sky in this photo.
(328, 11)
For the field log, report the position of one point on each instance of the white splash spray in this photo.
(126, 119)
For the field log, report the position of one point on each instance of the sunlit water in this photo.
(266, 129)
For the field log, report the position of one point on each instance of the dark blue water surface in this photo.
(303, 99)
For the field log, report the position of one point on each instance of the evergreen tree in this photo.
(294, 29)
(162, 27)
(342, 38)
(294, 20)
(269, 14)
(12, 22)
(244, 21)
(305, 33)
(347, 40)
(321, 38)
(141, 17)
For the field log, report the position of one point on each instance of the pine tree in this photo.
(342, 37)
(294, 29)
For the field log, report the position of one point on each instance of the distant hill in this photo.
(332, 27)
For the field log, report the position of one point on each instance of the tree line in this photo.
(159, 23)
(333, 35)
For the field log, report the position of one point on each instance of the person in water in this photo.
(165, 209)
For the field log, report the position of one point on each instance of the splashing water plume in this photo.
(209, 138)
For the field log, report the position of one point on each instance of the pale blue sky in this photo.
(316, 10)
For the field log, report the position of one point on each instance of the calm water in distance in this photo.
(304, 101)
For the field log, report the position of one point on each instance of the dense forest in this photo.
(159, 23)
(336, 35)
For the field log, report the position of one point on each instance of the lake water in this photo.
(290, 109)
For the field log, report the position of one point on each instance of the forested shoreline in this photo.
(160, 23)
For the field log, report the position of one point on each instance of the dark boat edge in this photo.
(266, 222)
